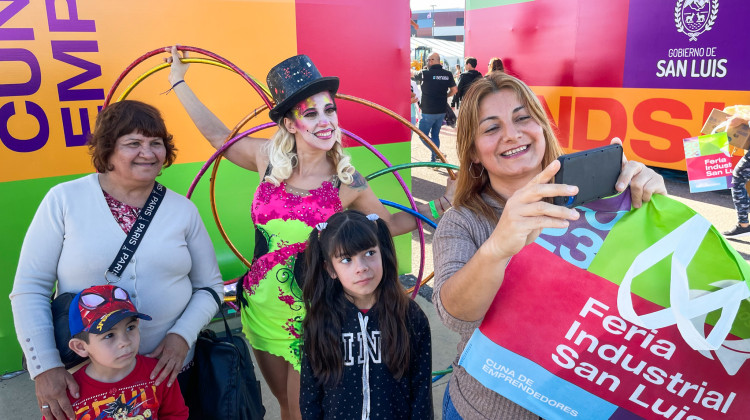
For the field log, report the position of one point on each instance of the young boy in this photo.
(116, 385)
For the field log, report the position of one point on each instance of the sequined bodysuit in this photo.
(272, 317)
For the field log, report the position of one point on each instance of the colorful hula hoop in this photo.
(410, 211)
(403, 121)
(221, 151)
(163, 66)
(425, 219)
(409, 166)
(216, 157)
(265, 96)
(163, 50)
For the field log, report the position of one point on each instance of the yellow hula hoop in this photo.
(252, 115)
(163, 66)
(247, 118)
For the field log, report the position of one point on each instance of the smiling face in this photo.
(137, 158)
(314, 122)
(360, 275)
(509, 142)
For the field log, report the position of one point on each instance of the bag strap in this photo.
(136, 233)
(218, 303)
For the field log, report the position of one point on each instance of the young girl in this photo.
(367, 350)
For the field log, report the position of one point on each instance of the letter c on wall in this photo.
(24, 146)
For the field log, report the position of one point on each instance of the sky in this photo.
(439, 4)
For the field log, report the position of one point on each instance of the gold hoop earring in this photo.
(471, 172)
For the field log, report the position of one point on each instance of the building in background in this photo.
(445, 24)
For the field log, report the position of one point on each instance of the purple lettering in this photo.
(72, 139)
(73, 24)
(65, 92)
(32, 85)
(14, 34)
(19, 145)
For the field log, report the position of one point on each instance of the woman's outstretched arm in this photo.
(244, 153)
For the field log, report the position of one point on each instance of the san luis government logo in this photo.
(693, 17)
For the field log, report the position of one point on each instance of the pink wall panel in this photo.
(370, 56)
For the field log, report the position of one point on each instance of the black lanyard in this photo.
(136, 232)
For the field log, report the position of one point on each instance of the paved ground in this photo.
(17, 399)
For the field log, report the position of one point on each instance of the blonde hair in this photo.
(281, 149)
(470, 186)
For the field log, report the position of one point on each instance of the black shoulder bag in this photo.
(61, 304)
(224, 387)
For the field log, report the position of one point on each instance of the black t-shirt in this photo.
(465, 81)
(435, 84)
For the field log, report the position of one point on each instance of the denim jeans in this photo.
(449, 410)
(430, 125)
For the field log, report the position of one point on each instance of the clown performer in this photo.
(305, 178)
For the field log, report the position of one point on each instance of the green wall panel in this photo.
(482, 4)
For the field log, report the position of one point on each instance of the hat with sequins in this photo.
(294, 80)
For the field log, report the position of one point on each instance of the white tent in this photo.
(451, 52)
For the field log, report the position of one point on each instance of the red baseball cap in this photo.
(99, 308)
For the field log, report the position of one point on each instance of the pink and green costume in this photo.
(272, 308)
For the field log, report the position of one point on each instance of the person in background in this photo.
(437, 86)
(496, 64)
(78, 230)
(740, 177)
(456, 76)
(467, 78)
(416, 96)
(508, 154)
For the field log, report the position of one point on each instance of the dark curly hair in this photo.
(121, 118)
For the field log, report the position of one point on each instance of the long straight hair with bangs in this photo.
(349, 233)
(469, 187)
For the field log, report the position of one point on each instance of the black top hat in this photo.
(294, 80)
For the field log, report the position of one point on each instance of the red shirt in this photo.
(135, 396)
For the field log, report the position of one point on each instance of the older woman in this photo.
(305, 178)
(77, 232)
(503, 200)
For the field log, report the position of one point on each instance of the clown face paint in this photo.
(315, 121)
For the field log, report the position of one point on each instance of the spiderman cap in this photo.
(99, 308)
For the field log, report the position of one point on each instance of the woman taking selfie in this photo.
(508, 153)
